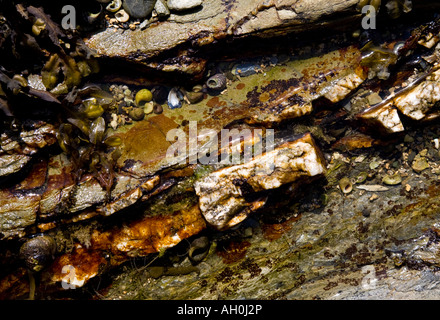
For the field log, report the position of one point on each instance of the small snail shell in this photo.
(114, 6)
(38, 252)
(137, 114)
(345, 185)
(122, 16)
(194, 97)
(94, 111)
(217, 82)
(157, 108)
(199, 249)
(143, 96)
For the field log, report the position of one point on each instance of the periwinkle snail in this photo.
(199, 249)
(37, 252)
(217, 82)
(345, 185)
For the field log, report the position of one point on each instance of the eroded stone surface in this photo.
(222, 194)
(216, 20)
(17, 148)
(418, 101)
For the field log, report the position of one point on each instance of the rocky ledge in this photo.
(344, 204)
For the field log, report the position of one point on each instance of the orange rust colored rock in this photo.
(234, 252)
(355, 141)
(273, 232)
(240, 86)
(215, 102)
(14, 285)
(142, 237)
(36, 178)
(151, 234)
(86, 264)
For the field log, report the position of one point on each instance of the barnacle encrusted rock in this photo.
(346, 85)
(385, 118)
(17, 148)
(416, 103)
(419, 100)
(223, 193)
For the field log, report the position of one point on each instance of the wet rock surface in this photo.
(213, 21)
(348, 211)
(356, 246)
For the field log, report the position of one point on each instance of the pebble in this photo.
(138, 9)
(408, 139)
(181, 5)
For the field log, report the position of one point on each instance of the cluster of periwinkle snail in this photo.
(214, 84)
(123, 10)
(87, 138)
